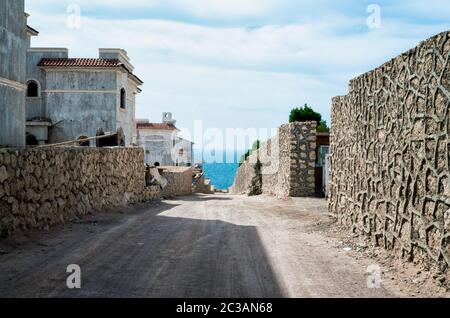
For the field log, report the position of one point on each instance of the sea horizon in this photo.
(221, 173)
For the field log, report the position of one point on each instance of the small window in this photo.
(31, 140)
(82, 142)
(322, 152)
(123, 99)
(32, 89)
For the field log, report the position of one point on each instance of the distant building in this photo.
(162, 145)
(70, 98)
(185, 152)
(13, 45)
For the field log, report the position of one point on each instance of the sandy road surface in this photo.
(199, 246)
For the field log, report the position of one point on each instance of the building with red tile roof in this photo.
(162, 145)
(157, 126)
(71, 98)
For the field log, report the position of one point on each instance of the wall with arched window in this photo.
(34, 107)
(123, 98)
(33, 89)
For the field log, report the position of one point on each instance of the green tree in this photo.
(306, 113)
(323, 127)
(256, 145)
(248, 153)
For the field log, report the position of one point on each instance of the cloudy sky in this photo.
(240, 63)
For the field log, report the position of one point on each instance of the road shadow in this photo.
(95, 220)
(203, 198)
(142, 255)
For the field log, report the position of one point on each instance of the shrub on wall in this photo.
(256, 146)
(306, 113)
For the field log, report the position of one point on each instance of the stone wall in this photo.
(283, 166)
(43, 187)
(179, 181)
(390, 153)
(203, 185)
(248, 177)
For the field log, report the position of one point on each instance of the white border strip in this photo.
(48, 49)
(75, 91)
(13, 84)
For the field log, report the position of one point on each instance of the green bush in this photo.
(248, 153)
(323, 127)
(306, 113)
(256, 145)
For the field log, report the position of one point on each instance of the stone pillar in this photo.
(302, 159)
(13, 45)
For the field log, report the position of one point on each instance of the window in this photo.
(322, 152)
(82, 142)
(31, 140)
(32, 89)
(123, 98)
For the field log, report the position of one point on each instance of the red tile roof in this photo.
(84, 62)
(153, 126)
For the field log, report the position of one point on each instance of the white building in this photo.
(70, 98)
(162, 145)
(13, 46)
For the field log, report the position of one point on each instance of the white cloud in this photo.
(236, 8)
(199, 8)
(304, 48)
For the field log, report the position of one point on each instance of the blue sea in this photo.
(221, 174)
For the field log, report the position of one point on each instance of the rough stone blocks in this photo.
(43, 187)
(390, 153)
(283, 166)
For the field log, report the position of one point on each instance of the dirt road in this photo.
(199, 246)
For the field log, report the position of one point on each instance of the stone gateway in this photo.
(284, 166)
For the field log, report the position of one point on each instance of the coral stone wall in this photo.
(390, 153)
(43, 187)
(302, 158)
(248, 179)
(179, 181)
(283, 166)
